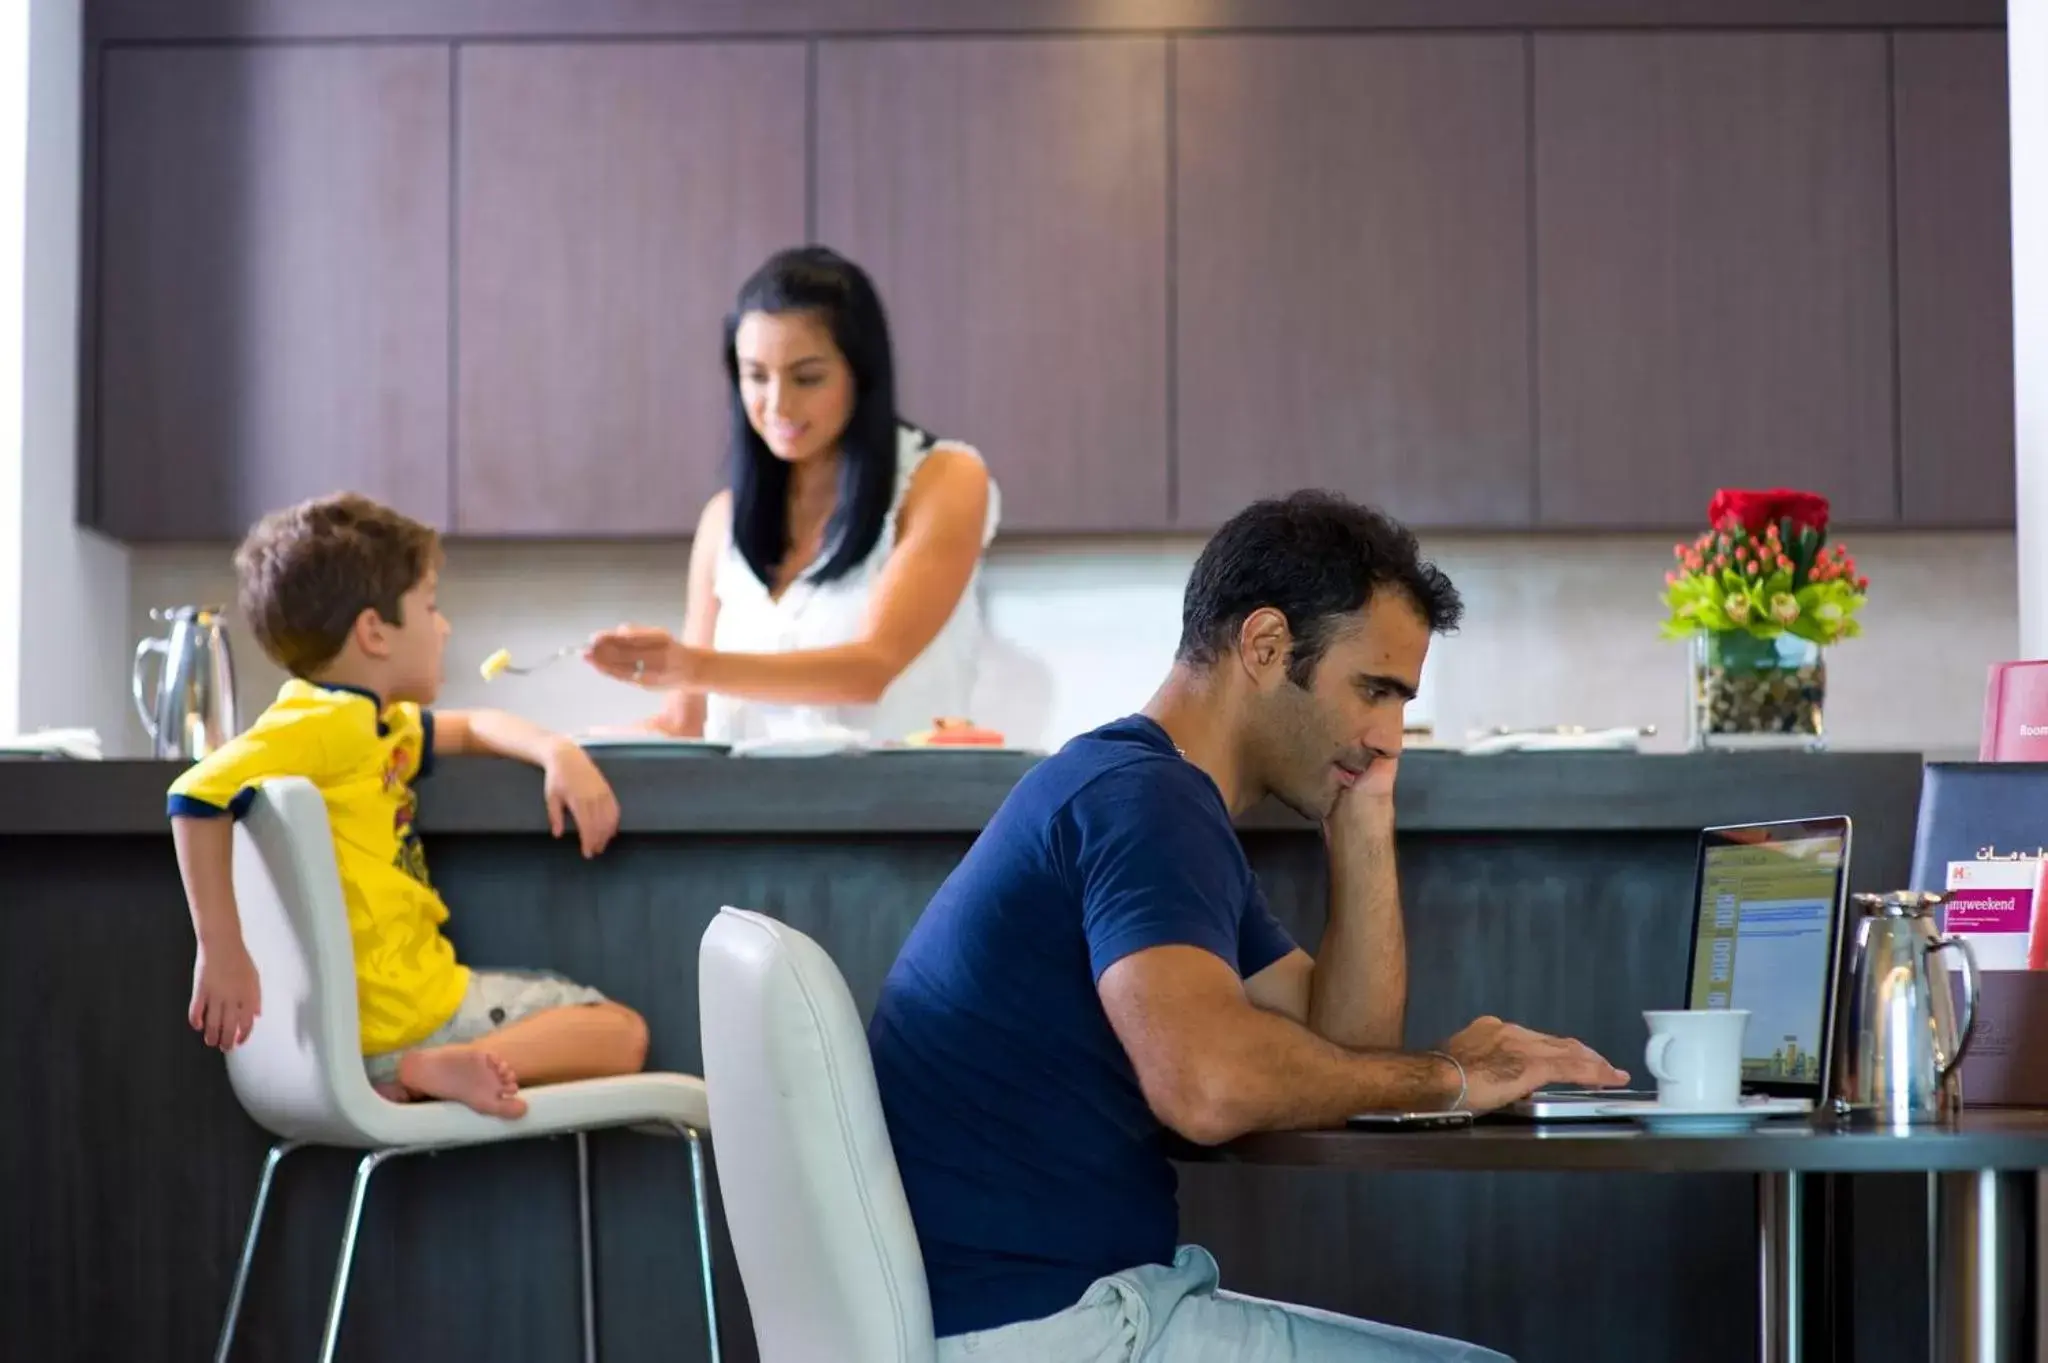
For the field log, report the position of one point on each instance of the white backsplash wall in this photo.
(1558, 631)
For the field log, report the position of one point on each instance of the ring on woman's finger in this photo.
(639, 668)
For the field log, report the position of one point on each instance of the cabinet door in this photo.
(1955, 278)
(1352, 270)
(1712, 264)
(273, 284)
(1009, 198)
(611, 198)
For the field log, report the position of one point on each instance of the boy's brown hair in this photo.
(308, 572)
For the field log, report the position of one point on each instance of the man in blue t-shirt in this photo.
(1102, 970)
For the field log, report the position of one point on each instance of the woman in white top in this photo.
(832, 585)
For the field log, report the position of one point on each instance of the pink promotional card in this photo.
(1993, 905)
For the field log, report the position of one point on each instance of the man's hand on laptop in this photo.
(1504, 1063)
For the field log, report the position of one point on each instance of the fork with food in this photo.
(500, 663)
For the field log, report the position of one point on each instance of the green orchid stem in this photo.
(1741, 651)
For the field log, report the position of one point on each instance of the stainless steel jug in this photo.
(1903, 1044)
(192, 711)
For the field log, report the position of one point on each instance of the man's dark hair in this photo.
(1316, 558)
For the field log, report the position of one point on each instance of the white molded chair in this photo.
(300, 1074)
(812, 1196)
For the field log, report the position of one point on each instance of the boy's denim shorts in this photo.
(494, 999)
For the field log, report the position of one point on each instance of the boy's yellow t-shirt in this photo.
(363, 756)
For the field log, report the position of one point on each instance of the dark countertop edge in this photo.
(151, 20)
(2007, 1139)
(1440, 792)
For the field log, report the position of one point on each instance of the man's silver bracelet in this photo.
(1463, 1086)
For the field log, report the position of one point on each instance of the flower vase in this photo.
(1749, 692)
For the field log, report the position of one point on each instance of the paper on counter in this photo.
(1556, 740)
(82, 744)
(827, 741)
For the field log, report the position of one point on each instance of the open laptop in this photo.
(1769, 905)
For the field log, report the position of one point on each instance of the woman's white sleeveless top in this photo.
(824, 615)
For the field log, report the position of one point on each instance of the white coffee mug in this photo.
(1696, 1054)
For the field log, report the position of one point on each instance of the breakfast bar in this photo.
(1553, 889)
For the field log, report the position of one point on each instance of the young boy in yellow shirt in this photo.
(340, 592)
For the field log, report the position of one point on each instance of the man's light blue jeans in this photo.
(1163, 1313)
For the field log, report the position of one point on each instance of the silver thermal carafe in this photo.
(192, 711)
(1902, 1041)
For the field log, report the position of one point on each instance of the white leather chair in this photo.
(300, 1073)
(812, 1196)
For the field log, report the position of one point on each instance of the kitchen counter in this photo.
(1553, 889)
(1440, 792)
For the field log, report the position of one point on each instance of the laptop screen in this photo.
(1764, 939)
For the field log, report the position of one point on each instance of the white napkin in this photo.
(83, 744)
(825, 741)
(1594, 740)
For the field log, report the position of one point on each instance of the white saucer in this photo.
(651, 745)
(1713, 1121)
(827, 743)
(983, 748)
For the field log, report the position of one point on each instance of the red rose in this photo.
(1756, 511)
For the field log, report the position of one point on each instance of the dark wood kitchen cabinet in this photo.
(1955, 278)
(1712, 226)
(1352, 267)
(1009, 198)
(272, 279)
(1554, 279)
(611, 198)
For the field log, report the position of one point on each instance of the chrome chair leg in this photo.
(330, 1339)
(583, 1226)
(227, 1327)
(701, 1198)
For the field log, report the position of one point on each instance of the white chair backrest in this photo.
(300, 1073)
(812, 1197)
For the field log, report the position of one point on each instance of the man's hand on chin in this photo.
(1367, 808)
(1378, 781)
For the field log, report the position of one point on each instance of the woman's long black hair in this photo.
(816, 280)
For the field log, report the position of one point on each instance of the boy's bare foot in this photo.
(476, 1079)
